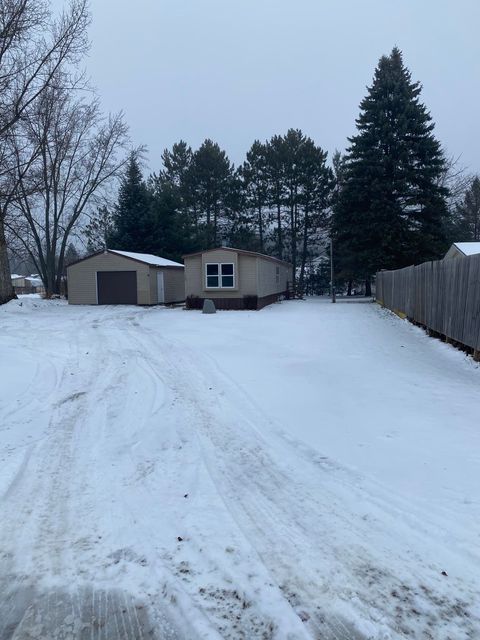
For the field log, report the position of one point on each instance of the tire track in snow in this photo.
(287, 536)
(41, 510)
(257, 462)
(359, 581)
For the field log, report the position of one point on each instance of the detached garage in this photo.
(123, 277)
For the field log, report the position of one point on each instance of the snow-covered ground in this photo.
(307, 471)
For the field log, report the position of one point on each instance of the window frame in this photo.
(219, 275)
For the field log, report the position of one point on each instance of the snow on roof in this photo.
(148, 258)
(468, 248)
(14, 276)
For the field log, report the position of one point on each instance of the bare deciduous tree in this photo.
(34, 49)
(77, 152)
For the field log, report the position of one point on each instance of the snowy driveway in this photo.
(307, 471)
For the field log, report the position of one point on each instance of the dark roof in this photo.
(242, 251)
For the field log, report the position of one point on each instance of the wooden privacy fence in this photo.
(443, 296)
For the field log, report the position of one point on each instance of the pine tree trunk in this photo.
(368, 287)
(349, 288)
(260, 227)
(304, 250)
(6, 289)
(293, 243)
(215, 225)
(279, 232)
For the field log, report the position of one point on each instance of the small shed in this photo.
(234, 278)
(462, 249)
(125, 277)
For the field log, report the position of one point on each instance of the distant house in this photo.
(235, 279)
(35, 283)
(125, 277)
(461, 249)
(18, 283)
(27, 284)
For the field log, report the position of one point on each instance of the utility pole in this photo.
(332, 284)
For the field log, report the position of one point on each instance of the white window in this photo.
(220, 275)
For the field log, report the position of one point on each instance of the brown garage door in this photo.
(117, 287)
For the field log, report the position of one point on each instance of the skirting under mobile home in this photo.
(234, 279)
(123, 277)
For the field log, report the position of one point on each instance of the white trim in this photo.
(219, 275)
(96, 286)
(160, 276)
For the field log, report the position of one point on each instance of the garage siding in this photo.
(174, 284)
(82, 277)
(173, 281)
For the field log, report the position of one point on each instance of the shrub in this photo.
(250, 302)
(194, 302)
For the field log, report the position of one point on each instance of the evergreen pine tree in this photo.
(176, 164)
(391, 209)
(211, 180)
(133, 223)
(97, 230)
(255, 184)
(276, 164)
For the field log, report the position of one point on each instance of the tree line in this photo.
(278, 201)
(391, 199)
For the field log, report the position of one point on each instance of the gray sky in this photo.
(238, 70)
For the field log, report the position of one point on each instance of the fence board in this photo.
(443, 296)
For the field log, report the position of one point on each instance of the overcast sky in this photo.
(238, 70)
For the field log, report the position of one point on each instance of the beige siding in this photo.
(267, 277)
(245, 269)
(174, 285)
(247, 275)
(82, 277)
(195, 270)
(219, 257)
(254, 275)
(152, 277)
(193, 276)
(173, 282)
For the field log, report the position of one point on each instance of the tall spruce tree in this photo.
(133, 222)
(391, 209)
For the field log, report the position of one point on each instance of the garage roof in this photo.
(468, 248)
(463, 248)
(148, 258)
